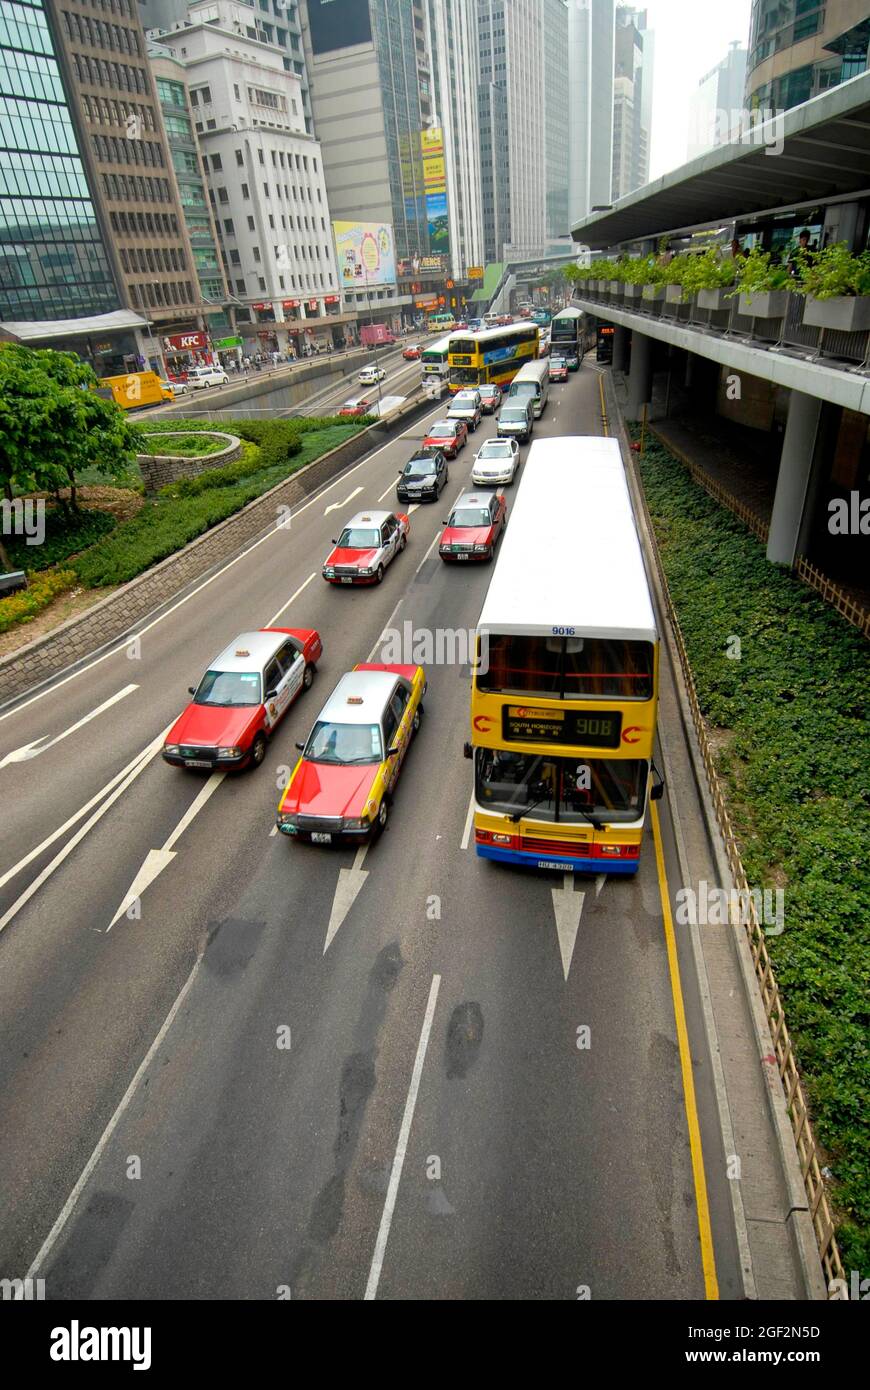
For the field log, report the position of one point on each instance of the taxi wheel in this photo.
(383, 816)
(379, 576)
(258, 751)
(308, 677)
(418, 719)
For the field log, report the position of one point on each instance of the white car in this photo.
(370, 376)
(200, 377)
(496, 461)
(178, 388)
(467, 406)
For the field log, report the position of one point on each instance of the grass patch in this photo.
(796, 771)
(194, 445)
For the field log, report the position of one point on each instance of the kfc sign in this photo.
(185, 342)
(291, 304)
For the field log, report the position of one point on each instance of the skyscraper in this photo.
(798, 51)
(715, 106)
(632, 101)
(590, 105)
(556, 127)
(451, 33)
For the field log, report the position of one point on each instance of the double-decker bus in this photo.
(441, 322)
(496, 354)
(567, 330)
(433, 359)
(564, 693)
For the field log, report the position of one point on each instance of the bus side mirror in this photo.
(657, 792)
(467, 750)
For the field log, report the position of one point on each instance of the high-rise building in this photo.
(556, 128)
(632, 101)
(53, 259)
(511, 52)
(798, 51)
(265, 180)
(104, 64)
(451, 40)
(590, 105)
(715, 108)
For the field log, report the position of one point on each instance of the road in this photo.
(201, 1101)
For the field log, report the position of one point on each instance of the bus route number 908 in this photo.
(563, 631)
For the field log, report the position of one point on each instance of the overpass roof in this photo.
(815, 152)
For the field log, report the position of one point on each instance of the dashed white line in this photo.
(466, 834)
(402, 1145)
(433, 542)
(383, 632)
(283, 609)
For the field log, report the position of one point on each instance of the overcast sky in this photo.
(691, 37)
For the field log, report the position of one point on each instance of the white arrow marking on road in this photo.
(567, 906)
(350, 881)
(336, 506)
(157, 860)
(600, 880)
(30, 750)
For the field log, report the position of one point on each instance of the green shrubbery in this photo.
(64, 536)
(795, 766)
(42, 590)
(193, 445)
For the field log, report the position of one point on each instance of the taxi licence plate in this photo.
(196, 762)
(320, 837)
(347, 580)
(462, 557)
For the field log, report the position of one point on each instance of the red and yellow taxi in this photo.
(242, 697)
(342, 786)
(368, 543)
(472, 529)
(447, 435)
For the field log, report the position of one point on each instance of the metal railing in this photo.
(747, 916)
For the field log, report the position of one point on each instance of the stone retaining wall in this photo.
(118, 612)
(159, 469)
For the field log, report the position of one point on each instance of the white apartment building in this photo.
(590, 105)
(451, 39)
(265, 178)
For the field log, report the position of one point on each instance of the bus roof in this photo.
(485, 335)
(571, 557)
(442, 345)
(570, 313)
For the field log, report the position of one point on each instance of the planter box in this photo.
(615, 287)
(674, 294)
(653, 292)
(764, 304)
(632, 291)
(713, 299)
(845, 314)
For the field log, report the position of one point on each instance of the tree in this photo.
(53, 424)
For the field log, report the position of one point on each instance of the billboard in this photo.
(366, 254)
(435, 189)
(338, 24)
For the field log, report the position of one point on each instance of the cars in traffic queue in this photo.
(412, 352)
(490, 397)
(370, 376)
(358, 406)
(423, 477)
(516, 418)
(200, 378)
(241, 698)
(473, 528)
(341, 788)
(447, 435)
(467, 406)
(558, 369)
(496, 461)
(369, 542)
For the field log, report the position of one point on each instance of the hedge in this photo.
(796, 771)
(41, 591)
(64, 536)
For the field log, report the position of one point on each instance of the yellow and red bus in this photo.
(493, 355)
(564, 694)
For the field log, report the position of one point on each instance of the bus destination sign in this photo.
(584, 728)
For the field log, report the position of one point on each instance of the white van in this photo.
(533, 381)
(201, 377)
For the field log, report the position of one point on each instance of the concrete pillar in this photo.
(640, 375)
(690, 370)
(620, 347)
(793, 479)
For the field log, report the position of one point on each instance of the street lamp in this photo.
(371, 325)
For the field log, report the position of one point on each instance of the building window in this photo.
(240, 158)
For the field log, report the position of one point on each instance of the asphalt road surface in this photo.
(432, 1130)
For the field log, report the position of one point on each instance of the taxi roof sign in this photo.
(354, 699)
(242, 651)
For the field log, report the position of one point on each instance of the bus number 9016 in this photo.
(563, 631)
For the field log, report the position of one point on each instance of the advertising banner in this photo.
(435, 185)
(183, 342)
(366, 254)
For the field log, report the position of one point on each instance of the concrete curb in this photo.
(803, 1241)
(115, 618)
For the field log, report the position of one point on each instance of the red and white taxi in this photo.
(412, 352)
(447, 435)
(368, 543)
(342, 786)
(473, 527)
(243, 695)
(358, 406)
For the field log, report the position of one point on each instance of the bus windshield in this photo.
(569, 790)
(568, 668)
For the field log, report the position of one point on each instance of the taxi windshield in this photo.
(358, 538)
(344, 743)
(229, 688)
(469, 516)
(443, 427)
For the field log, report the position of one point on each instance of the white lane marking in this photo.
(469, 819)
(435, 539)
(151, 752)
(61, 830)
(600, 880)
(391, 488)
(72, 1200)
(157, 860)
(273, 831)
(383, 632)
(30, 750)
(402, 1145)
(336, 506)
(350, 881)
(568, 907)
(283, 609)
(413, 507)
(273, 530)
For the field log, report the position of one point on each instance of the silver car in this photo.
(467, 406)
(496, 461)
